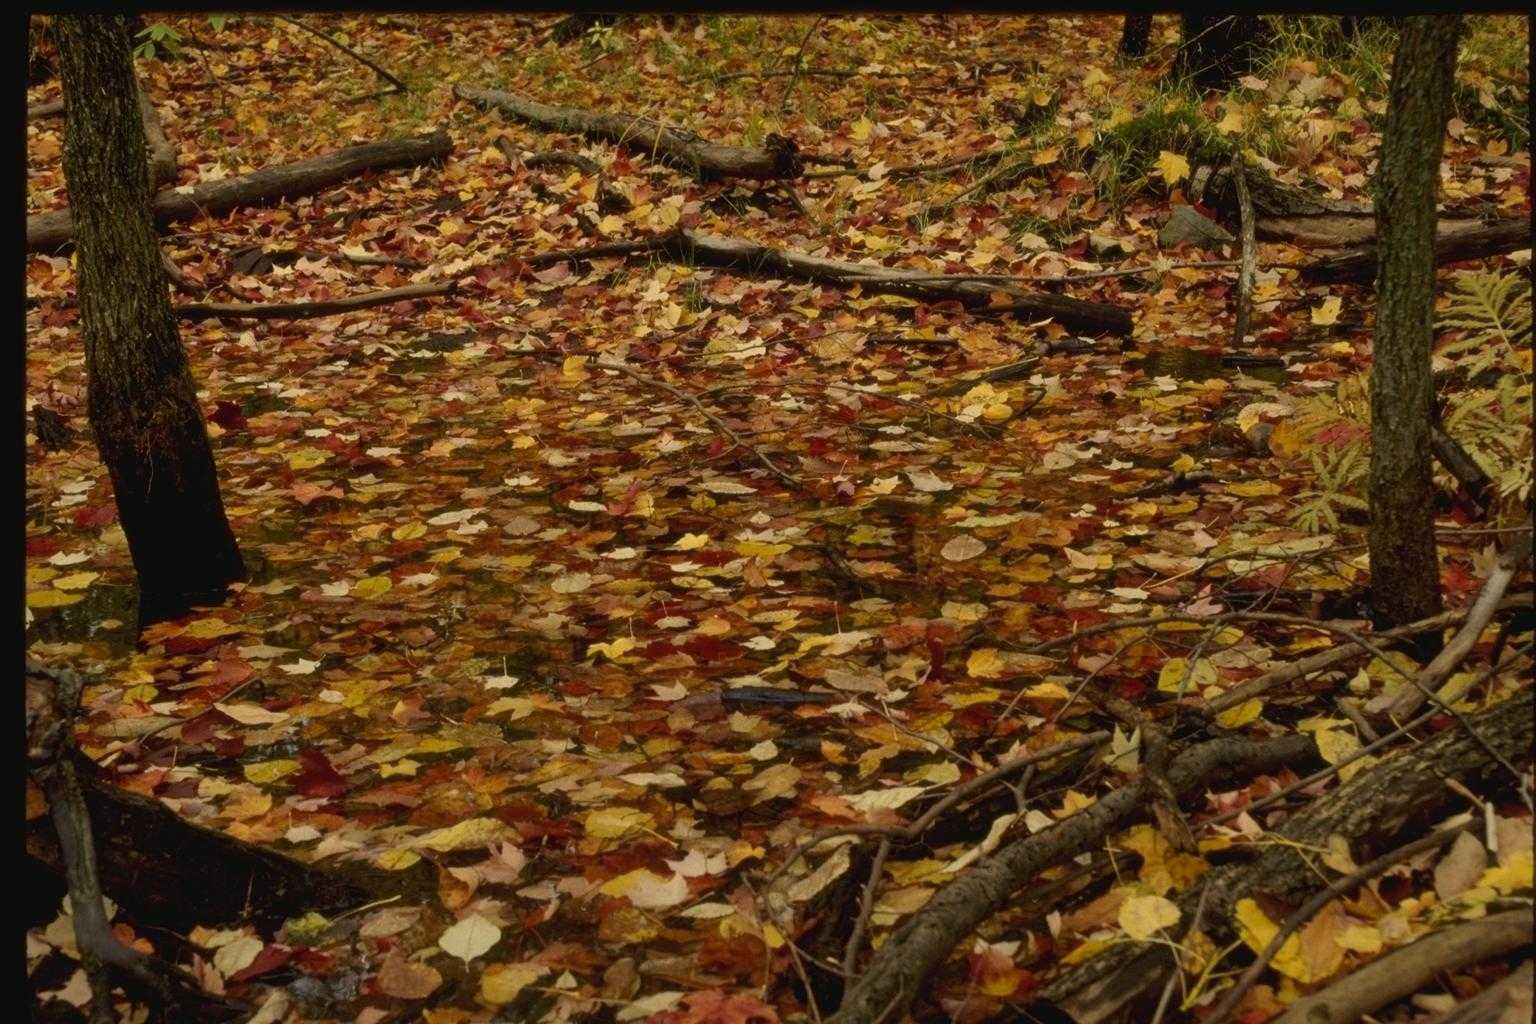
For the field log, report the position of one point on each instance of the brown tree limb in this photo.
(319, 307)
(1370, 807)
(1472, 243)
(48, 108)
(897, 970)
(1450, 454)
(670, 145)
(1302, 914)
(738, 254)
(1249, 252)
(1515, 558)
(1507, 1001)
(1404, 971)
(48, 232)
(395, 83)
(162, 154)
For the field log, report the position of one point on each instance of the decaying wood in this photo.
(1249, 251)
(897, 970)
(1369, 810)
(1515, 558)
(49, 108)
(162, 154)
(52, 698)
(778, 159)
(1288, 213)
(1359, 265)
(1460, 464)
(301, 310)
(48, 232)
(1404, 971)
(738, 254)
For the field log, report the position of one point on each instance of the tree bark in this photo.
(1370, 810)
(1134, 35)
(48, 232)
(779, 159)
(1405, 571)
(1360, 265)
(140, 395)
(1216, 48)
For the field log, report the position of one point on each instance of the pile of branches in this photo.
(1424, 757)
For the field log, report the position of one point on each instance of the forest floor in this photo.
(605, 645)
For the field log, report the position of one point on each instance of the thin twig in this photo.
(788, 478)
(1319, 900)
(794, 78)
(866, 907)
(398, 85)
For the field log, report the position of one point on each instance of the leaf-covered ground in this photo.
(546, 626)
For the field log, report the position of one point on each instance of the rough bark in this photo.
(47, 232)
(1405, 571)
(1403, 971)
(140, 395)
(1369, 810)
(1216, 48)
(320, 307)
(162, 154)
(1134, 35)
(1464, 244)
(896, 972)
(1288, 213)
(777, 160)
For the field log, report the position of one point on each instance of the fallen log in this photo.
(707, 160)
(1404, 971)
(1368, 810)
(195, 311)
(164, 869)
(48, 232)
(48, 108)
(1359, 265)
(739, 254)
(897, 970)
(1288, 213)
(162, 154)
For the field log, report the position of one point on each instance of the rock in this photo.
(1187, 226)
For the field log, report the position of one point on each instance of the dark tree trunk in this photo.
(1404, 569)
(1217, 48)
(1134, 36)
(141, 398)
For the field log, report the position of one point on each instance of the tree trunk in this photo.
(1134, 36)
(1404, 570)
(1216, 48)
(141, 398)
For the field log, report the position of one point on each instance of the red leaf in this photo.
(318, 778)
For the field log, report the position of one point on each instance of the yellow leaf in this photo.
(76, 581)
(861, 129)
(984, 663)
(1183, 464)
(1509, 877)
(1142, 917)
(264, 772)
(1172, 678)
(410, 531)
(51, 599)
(1335, 744)
(1172, 167)
(371, 587)
(207, 629)
(501, 983)
(1327, 314)
(616, 822)
(574, 368)
(1254, 488)
(1232, 123)
(612, 649)
(1241, 714)
(307, 458)
(469, 834)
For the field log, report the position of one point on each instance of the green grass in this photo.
(1125, 157)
